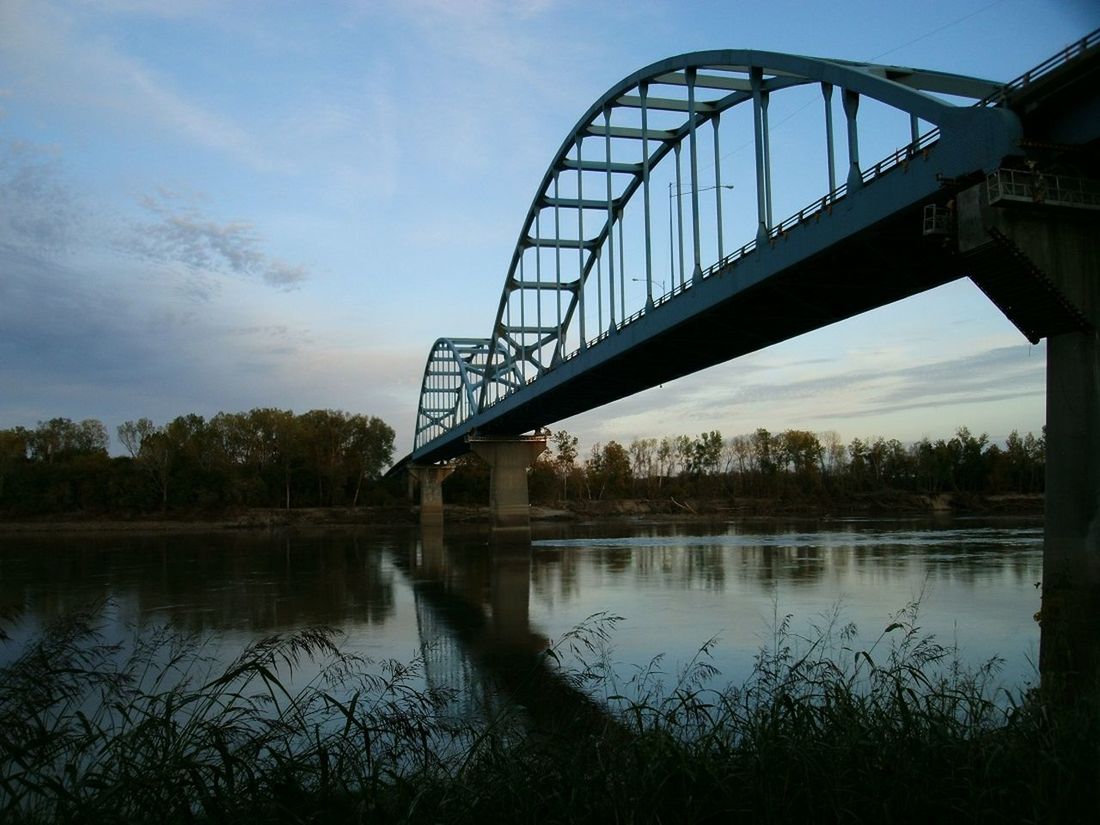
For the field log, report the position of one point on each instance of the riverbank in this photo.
(883, 503)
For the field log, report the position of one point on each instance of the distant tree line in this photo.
(794, 463)
(274, 458)
(262, 458)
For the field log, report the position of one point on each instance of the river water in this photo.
(655, 589)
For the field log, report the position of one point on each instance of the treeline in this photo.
(324, 458)
(262, 458)
(794, 463)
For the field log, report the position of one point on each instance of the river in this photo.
(656, 590)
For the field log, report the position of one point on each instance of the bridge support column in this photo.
(509, 506)
(1069, 650)
(1042, 268)
(430, 478)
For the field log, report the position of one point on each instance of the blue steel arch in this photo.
(536, 316)
(742, 77)
(451, 385)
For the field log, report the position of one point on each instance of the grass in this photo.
(823, 731)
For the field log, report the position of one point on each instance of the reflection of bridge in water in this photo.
(999, 182)
(476, 640)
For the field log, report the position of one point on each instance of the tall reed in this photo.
(825, 730)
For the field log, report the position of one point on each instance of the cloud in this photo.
(38, 209)
(181, 234)
(50, 57)
(104, 340)
(859, 392)
(893, 393)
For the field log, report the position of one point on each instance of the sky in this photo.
(216, 205)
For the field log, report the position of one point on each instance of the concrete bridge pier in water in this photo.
(508, 458)
(1039, 261)
(430, 477)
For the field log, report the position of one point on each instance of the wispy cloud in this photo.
(83, 341)
(182, 234)
(839, 393)
(50, 57)
(38, 209)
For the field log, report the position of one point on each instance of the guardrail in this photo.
(1071, 52)
(1026, 186)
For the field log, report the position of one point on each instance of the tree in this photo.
(13, 452)
(800, 451)
(684, 454)
(642, 457)
(370, 449)
(666, 453)
(740, 449)
(325, 434)
(766, 466)
(288, 445)
(132, 433)
(706, 453)
(60, 438)
(834, 455)
(565, 448)
(608, 470)
(152, 450)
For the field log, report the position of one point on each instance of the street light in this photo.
(661, 283)
(679, 191)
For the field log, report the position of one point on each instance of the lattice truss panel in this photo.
(453, 378)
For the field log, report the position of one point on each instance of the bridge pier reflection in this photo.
(473, 618)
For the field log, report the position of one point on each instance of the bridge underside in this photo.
(884, 263)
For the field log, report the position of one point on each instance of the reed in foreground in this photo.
(823, 731)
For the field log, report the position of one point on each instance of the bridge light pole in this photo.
(677, 191)
(649, 289)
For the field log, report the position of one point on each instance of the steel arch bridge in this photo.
(569, 333)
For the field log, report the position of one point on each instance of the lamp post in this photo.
(678, 191)
(649, 292)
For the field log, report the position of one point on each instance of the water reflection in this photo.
(472, 612)
(214, 582)
(479, 616)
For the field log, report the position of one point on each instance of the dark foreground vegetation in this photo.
(823, 731)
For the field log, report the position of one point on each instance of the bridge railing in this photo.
(1070, 52)
(1024, 186)
(823, 205)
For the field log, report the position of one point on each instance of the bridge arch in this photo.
(570, 250)
(708, 84)
(451, 385)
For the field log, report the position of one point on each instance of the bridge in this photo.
(999, 182)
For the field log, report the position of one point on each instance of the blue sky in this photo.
(222, 204)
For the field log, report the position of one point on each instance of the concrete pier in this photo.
(509, 506)
(1042, 268)
(431, 478)
(1069, 651)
